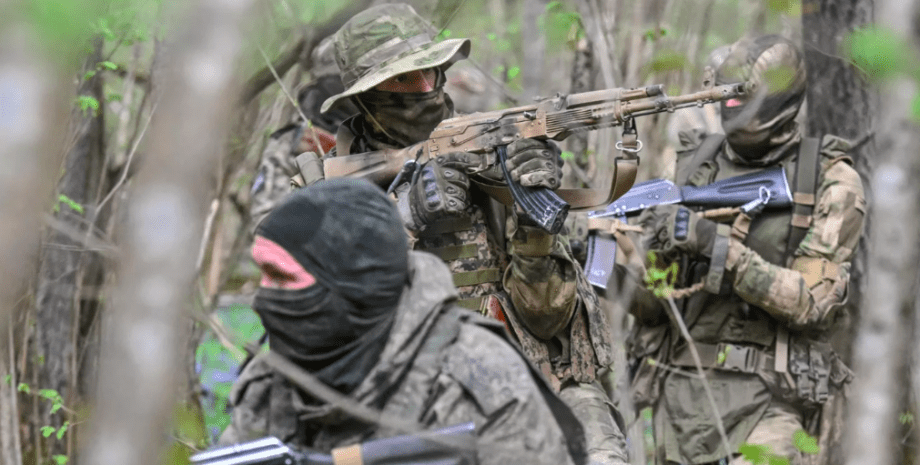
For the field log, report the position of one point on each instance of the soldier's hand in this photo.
(442, 189)
(673, 229)
(535, 163)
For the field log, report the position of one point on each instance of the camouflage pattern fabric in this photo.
(473, 246)
(473, 375)
(385, 41)
(589, 402)
(765, 292)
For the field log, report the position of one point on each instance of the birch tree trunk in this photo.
(892, 265)
(140, 366)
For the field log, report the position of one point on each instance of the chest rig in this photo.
(731, 333)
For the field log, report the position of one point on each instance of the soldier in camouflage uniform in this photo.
(343, 297)
(774, 284)
(278, 164)
(394, 72)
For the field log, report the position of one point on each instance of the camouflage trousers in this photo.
(605, 441)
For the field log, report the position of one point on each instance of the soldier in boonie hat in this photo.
(394, 72)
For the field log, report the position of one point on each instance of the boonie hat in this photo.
(385, 41)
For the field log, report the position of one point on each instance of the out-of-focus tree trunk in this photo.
(880, 348)
(140, 366)
(840, 103)
(30, 162)
(58, 292)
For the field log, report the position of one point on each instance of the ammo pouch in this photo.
(816, 371)
(648, 349)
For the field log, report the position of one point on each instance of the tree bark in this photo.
(840, 103)
(140, 367)
(58, 288)
(880, 348)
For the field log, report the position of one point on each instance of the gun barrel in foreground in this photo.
(769, 187)
(454, 445)
(554, 118)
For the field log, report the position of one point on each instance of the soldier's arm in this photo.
(808, 292)
(541, 278)
(273, 178)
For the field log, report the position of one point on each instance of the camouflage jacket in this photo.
(441, 366)
(278, 164)
(773, 307)
(496, 264)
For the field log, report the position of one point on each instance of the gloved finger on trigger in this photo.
(460, 160)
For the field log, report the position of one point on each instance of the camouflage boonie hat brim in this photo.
(386, 41)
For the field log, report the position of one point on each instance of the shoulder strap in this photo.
(807, 168)
(705, 152)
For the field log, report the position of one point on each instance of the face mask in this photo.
(323, 333)
(406, 117)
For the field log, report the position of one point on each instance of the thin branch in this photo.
(699, 367)
(124, 172)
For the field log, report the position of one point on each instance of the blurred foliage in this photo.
(218, 367)
(882, 55)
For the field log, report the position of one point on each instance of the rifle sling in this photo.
(807, 168)
(624, 175)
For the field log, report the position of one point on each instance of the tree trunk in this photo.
(140, 367)
(840, 103)
(879, 351)
(532, 69)
(58, 289)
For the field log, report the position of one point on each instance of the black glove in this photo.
(442, 188)
(535, 163)
(673, 229)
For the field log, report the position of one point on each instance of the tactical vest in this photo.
(734, 335)
(473, 247)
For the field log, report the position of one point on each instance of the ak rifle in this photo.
(487, 134)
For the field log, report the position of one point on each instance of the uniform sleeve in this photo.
(486, 381)
(541, 276)
(273, 178)
(806, 294)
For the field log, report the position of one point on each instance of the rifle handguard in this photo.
(540, 205)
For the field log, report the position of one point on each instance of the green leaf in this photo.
(782, 6)
(23, 387)
(89, 75)
(491, 36)
(877, 51)
(805, 442)
(70, 203)
(62, 430)
(48, 431)
(566, 155)
(906, 418)
(59, 459)
(86, 102)
(8, 379)
(755, 453)
(107, 65)
(513, 72)
(722, 355)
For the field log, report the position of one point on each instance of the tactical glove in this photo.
(442, 188)
(535, 163)
(673, 229)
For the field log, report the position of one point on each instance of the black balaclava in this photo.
(401, 119)
(761, 129)
(348, 236)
